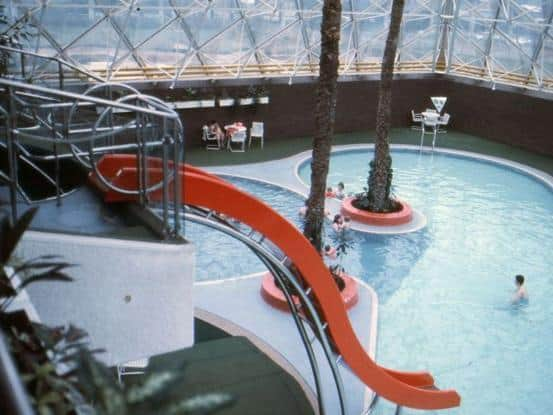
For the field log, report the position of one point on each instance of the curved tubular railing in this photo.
(61, 63)
(285, 277)
(52, 114)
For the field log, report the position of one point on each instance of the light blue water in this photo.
(444, 291)
(218, 255)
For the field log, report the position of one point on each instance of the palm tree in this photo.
(325, 110)
(377, 198)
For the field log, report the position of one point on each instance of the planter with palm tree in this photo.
(375, 205)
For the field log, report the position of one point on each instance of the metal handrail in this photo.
(23, 52)
(75, 96)
(150, 114)
(283, 275)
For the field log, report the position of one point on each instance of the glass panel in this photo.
(232, 47)
(143, 22)
(418, 38)
(205, 25)
(168, 47)
(506, 57)
(97, 48)
(65, 24)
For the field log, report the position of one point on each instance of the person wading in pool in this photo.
(521, 295)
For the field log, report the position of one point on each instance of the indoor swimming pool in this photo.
(444, 291)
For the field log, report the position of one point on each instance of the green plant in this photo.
(60, 372)
(154, 394)
(39, 351)
(43, 268)
(343, 241)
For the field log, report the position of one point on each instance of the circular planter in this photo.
(380, 219)
(275, 297)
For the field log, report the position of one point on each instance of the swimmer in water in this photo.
(520, 295)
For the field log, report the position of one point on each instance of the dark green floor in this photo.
(233, 365)
(276, 148)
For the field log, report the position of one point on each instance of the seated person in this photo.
(521, 295)
(338, 223)
(340, 191)
(329, 192)
(215, 129)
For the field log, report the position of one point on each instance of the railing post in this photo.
(12, 155)
(14, 397)
(177, 141)
(22, 56)
(165, 201)
(56, 159)
(60, 75)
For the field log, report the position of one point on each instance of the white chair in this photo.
(256, 132)
(238, 137)
(430, 122)
(442, 122)
(417, 119)
(210, 139)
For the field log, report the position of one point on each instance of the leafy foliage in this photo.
(154, 394)
(43, 268)
(343, 241)
(60, 372)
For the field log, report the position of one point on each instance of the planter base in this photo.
(274, 296)
(405, 215)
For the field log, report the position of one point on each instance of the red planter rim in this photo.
(379, 219)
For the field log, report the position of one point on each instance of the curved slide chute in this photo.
(199, 188)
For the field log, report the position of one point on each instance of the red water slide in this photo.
(199, 188)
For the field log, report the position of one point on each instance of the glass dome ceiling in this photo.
(502, 41)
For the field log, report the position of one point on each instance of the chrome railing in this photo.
(275, 261)
(19, 67)
(107, 118)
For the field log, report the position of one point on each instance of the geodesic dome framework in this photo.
(501, 41)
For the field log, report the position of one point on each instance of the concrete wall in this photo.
(133, 298)
(515, 118)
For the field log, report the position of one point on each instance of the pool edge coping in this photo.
(370, 347)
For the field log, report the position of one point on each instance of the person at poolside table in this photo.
(338, 223)
(215, 129)
(340, 191)
(520, 295)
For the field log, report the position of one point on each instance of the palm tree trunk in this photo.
(380, 176)
(325, 110)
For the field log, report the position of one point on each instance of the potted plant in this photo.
(343, 242)
(261, 94)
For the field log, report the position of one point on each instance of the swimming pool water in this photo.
(444, 291)
(218, 255)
